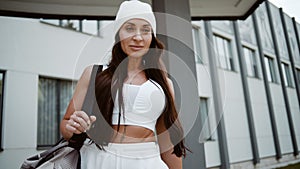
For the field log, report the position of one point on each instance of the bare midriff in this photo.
(132, 134)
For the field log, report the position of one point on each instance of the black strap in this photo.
(89, 100)
(76, 141)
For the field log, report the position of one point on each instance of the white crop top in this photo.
(143, 104)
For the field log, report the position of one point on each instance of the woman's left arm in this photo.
(172, 161)
(164, 141)
(166, 146)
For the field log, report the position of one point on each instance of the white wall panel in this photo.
(236, 123)
(281, 119)
(261, 117)
(294, 105)
(212, 154)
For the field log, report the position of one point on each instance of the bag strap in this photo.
(76, 141)
(90, 98)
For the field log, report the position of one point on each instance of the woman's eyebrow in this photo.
(145, 25)
(130, 23)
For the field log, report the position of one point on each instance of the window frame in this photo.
(3, 72)
(298, 76)
(58, 107)
(79, 25)
(210, 136)
(226, 61)
(253, 62)
(285, 67)
(270, 68)
(197, 44)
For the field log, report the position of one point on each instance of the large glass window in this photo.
(224, 52)
(251, 62)
(1, 104)
(270, 68)
(287, 75)
(206, 132)
(85, 26)
(196, 40)
(53, 98)
(298, 76)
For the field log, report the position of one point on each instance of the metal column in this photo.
(291, 57)
(177, 37)
(222, 139)
(243, 70)
(267, 88)
(284, 91)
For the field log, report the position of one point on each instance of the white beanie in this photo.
(134, 9)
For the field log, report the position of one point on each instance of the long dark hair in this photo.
(111, 80)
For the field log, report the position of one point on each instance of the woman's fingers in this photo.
(80, 118)
(93, 119)
(84, 116)
(80, 122)
(72, 129)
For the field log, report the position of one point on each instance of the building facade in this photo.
(256, 63)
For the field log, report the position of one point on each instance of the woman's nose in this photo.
(138, 36)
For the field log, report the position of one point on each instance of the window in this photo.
(251, 63)
(286, 75)
(71, 24)
(298, 76)
(196, 42)
(206, 130)
(85, 26)
(2, 75)
(53, 98)
(270, 68)
(224, 53)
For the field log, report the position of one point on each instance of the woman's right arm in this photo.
(75, 120)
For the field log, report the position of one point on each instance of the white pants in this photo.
(122, 156)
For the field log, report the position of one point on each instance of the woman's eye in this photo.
(146, 30)
(130, 29)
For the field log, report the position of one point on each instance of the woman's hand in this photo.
(75, 121)
(79, 122)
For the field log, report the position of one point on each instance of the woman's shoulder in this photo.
(85, 76)
(87, 72)
(88, 69)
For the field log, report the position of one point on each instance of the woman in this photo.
(135, 97)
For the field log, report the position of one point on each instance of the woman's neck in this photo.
(135, 73)
(134, 65)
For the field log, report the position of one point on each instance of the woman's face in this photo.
(135, 36)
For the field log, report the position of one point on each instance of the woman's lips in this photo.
(136, 47)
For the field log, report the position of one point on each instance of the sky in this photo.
(290, 7)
